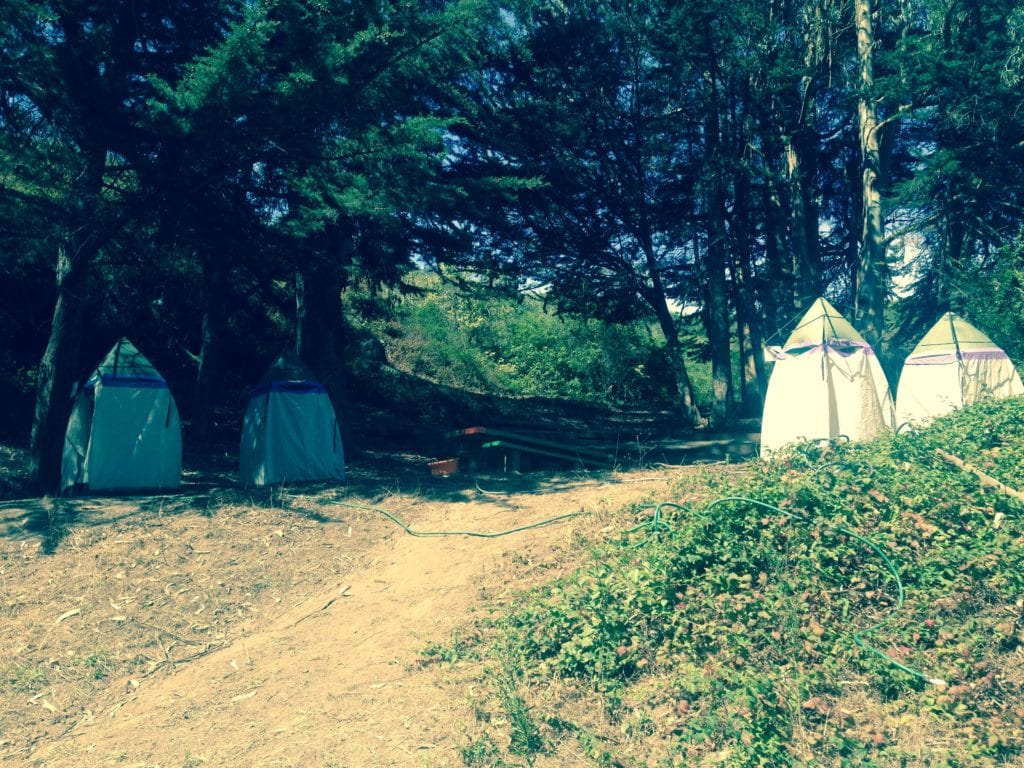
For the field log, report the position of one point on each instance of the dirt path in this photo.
(338, 678)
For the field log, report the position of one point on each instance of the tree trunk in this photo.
(951, 259)
(717, 313)
(59, 365)
(319, 327)
(655, 296)
(871, 267)
(800, 168)
(751, 370)
(684, 388)
(780, 303)
(802, 151)
(854, 216)
(208, 379)
(751, 341)
(749, 328)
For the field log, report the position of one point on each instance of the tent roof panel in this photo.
(287, 367)
(125, 365)
(950, 334)
(822, 324)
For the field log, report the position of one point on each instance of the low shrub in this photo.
(813, 609)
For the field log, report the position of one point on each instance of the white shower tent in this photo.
(953, 365)
(826, 383)
(290, 432)
(124, 432)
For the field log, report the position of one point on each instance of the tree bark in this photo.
(319, 326)
(870, 289)
(214, 277)
(59, 365)
(717, 313)
(749, 326)
(801, 171)
(684, 388)
(750, 340)
(802, 151)
(779, 300)
(655, 295)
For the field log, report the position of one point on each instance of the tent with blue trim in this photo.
(952, 366)
(826, 384)
(290, 433)
(124, 432)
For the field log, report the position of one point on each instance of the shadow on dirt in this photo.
(390, 456)
(373, 479)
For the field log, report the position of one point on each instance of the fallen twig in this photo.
(170, 634)
(67, 615)
(987, 481)
(342, 591)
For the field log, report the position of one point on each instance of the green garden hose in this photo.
(657, 525)
(475, 534)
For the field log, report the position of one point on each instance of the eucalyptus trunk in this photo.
(870, 287)
(800, 152)
(749, 328)
(717, 312)
(779, 300)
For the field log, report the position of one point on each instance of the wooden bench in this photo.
(475, 442)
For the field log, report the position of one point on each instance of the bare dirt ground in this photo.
(288, 627)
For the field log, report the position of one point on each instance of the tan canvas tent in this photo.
(953, 365)
(124, 432)
(826, 383)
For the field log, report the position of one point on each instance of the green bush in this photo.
(516, 347)
(875, 562)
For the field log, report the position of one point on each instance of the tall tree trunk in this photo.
(208, 379)
(684, 388)
(59, 365)
(801, 170)
(319, 327)
(854, 216)
(751, 367)
(780, 302)
(717, 312)
(871, 267)
(655, 295)
(802, 152)
(749, 328)
(951, 259)
(60, 361)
